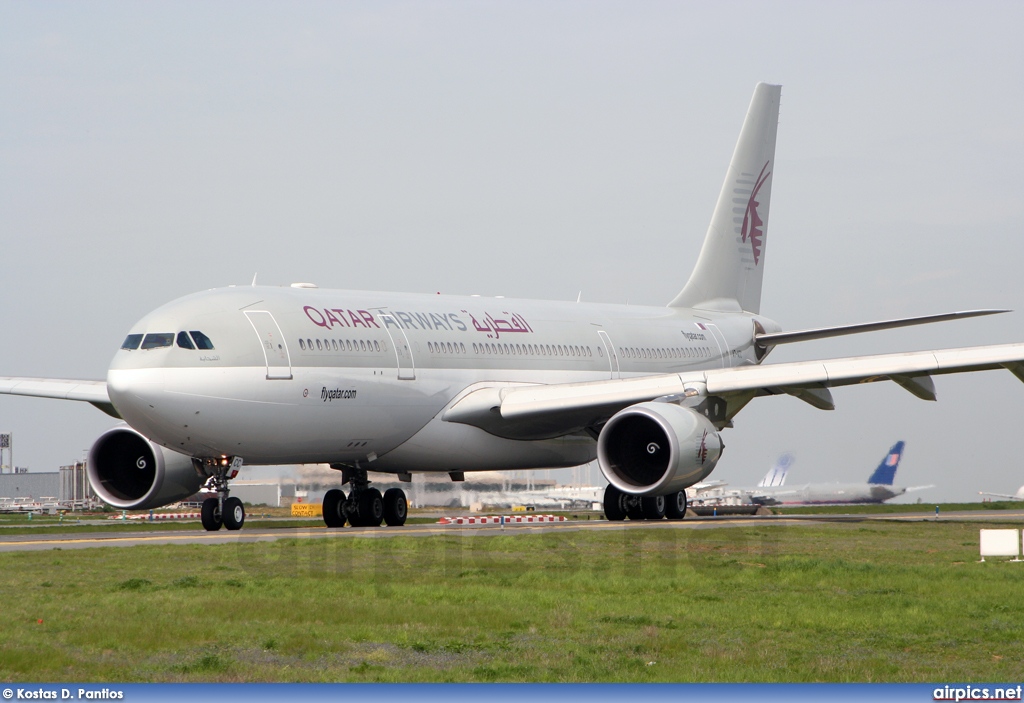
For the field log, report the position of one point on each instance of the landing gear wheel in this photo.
(653, 507)
(396, 507)
(211, 515)
(634, 507)
(675, 505)
(614, 504)
(334, 500)
(370, 508)
(234, 514)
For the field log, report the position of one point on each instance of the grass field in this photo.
(892, 601)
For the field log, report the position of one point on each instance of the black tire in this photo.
(211, 515)
(614, 504)
(370, 508)
(675, 505)
(334, 500)
(653, 507)
(396, 507)
(234, 514)
(634, 507)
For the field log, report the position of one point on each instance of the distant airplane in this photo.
(776, 475)
(719, 493)
(1019, 495)
(402, 383)
(878, 489)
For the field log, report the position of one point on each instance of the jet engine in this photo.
(128, 471)
(652, 449)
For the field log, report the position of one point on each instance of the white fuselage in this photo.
(826, 494)
(308, 375)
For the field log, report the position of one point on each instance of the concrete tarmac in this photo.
(81, 538)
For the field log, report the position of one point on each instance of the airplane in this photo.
(719, 493)
(1019, 495)
(776, 475)
(878, 489)
(403, 383)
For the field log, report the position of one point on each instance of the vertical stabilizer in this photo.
(885, 474)
(776, 476)
(729, 269)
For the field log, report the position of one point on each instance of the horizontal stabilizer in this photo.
(768, 339)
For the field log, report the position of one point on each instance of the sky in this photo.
(527, 149)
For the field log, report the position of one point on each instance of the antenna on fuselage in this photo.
(254, 278)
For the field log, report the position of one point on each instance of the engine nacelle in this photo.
(654, 449)
(128, 471)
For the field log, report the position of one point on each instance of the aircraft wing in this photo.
(553, 410)
(94, 392)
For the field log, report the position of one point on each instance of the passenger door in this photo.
(400, 343)
(275, 347)
(613, 358)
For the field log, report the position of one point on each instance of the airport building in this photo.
(69, 486)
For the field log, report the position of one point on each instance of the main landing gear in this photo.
(222, 510)
(619, 506)
(364, 506)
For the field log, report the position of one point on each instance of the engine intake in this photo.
(654, 449)
(128, 471)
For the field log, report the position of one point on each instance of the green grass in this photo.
(836, 602)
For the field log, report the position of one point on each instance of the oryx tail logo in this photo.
(753, 226)
(702, 448)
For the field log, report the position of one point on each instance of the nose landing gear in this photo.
(364, 506)
(222, 510)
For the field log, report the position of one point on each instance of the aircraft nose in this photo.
(134, 390)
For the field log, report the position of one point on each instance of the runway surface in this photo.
(81, 538)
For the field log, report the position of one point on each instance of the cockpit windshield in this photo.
(202, 341)
(157, 340)
(132, 342)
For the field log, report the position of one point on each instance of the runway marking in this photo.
(28, 542)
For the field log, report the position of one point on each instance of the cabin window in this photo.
(309, 343)
(184, 341)
(302, 344)
(430, 347)
(319, 347)
(462, 348)
(131, 342)
(158, 340)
